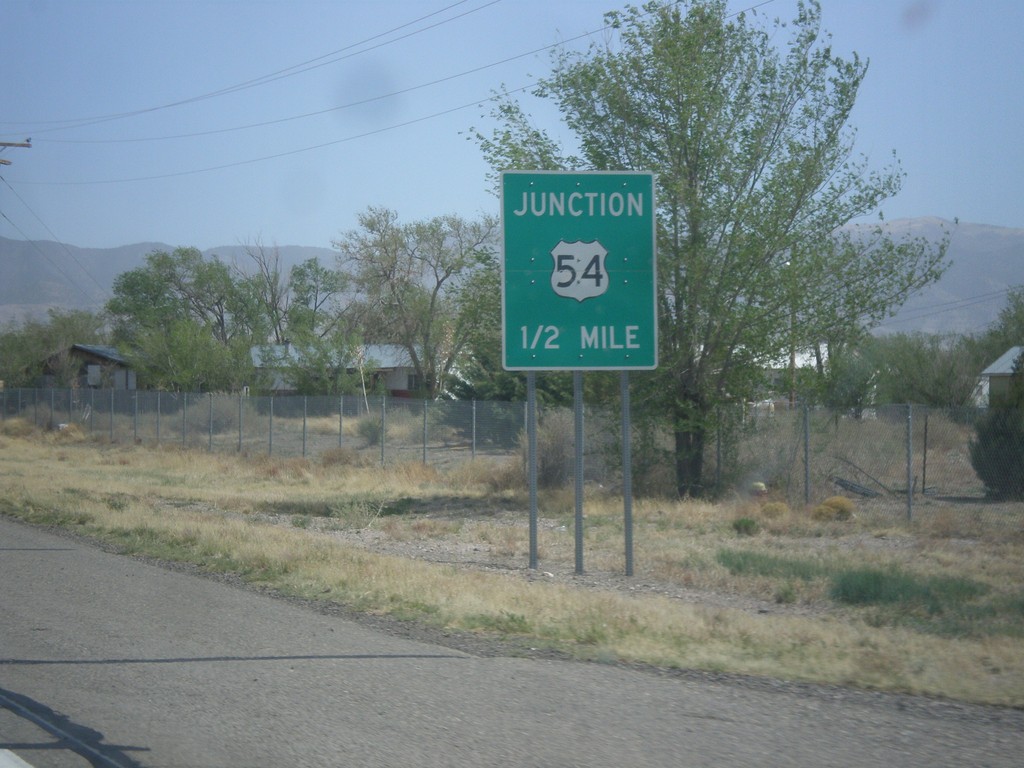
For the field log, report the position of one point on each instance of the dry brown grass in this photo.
(222, 512)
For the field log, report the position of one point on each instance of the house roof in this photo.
(386, 355)
(102, 351)
(383, 356)
(1004, 365)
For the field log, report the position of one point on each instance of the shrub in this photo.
(997, 452)
(369, 428)
(555, 452)
(216, 412)
(17, 427)
(834, 508)
(775, 509)
(494, 475)
(70, 433)
(341, 457)
(745, 526)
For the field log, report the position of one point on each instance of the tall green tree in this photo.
(928, 369)
(407, 278)
(186, 357)
(997, 451)
(316, 308)
(756, 179)
(263, 294)
(25, 347)
(174, 286)
(1008, 329)
(179, 319)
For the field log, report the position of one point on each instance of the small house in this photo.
(88, 366)
(379, 366)
(390, 366)
(998, 378)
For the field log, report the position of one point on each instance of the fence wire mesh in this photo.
(898, 462)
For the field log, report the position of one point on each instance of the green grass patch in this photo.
(162, 545)
(746, 526)
(746, 563)
(875, 586)
(1001, 614)
(504, 623)
(43, 515)
(946, 606)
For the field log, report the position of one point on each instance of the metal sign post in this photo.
(579, 282)
(531, 460)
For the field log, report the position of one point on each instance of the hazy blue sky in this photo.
(140, 131)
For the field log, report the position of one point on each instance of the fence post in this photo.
(718, 448)
(924, 455)
(239, 422)
(53, 411)
(304, 398)
(210, 443)
(111, 415)
(158, 418)
(472, 445)
(184, 414)
(92, 408)
(424, 431)
(807, 454)
(383, 426)
(341, 419)
(135, 416)
(910, 462)
(270, 430)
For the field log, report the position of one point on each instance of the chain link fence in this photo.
(899, 462)
(390, 430)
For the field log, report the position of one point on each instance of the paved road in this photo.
(108, 661)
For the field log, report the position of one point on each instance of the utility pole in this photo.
(27, 144)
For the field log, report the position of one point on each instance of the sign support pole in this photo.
(627, 472)
(577, 398)
(531, 460)
(579, 293)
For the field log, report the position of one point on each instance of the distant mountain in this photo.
(986, 261)
(36, 276)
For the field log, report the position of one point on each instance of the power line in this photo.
(317, 113)
(921, 313)
(26, 144)
(364, 101)
(291, 71)
(43, 253)
(56, 240)
(277, 155)
(349, 105)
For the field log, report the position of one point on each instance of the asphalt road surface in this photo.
(109, 661)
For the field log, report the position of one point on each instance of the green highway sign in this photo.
(579, 276)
